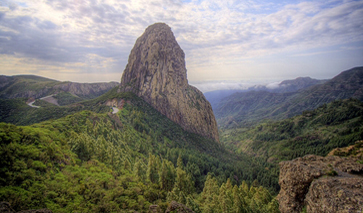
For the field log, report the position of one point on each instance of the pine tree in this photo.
(182, 198)
(139, 170)
(180, 162)
(152, 170)
(237, 203)
(183, 181)
(167, 175)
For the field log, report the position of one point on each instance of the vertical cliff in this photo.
(156, 72)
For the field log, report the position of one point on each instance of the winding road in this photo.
(31, 104)
(46, 97)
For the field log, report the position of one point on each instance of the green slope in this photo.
(337, 124)
(100, 162)
(34, 87)
(22, 84)
(15, 111)
(244, 109)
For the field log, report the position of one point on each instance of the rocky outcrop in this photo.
(322, 184)
(156, 72)
(335, 195)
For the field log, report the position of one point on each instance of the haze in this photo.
(224, 40)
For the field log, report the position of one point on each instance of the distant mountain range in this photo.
(31, 86)
(214, 97)
(244, 108)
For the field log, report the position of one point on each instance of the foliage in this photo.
(24, 83)
(249, 108)
(99, 162)
(66, 98)
(42, 103)
(231, 198)
(318, 131)
(15, 111)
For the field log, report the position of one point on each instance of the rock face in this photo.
(322, 184)
(156, 72)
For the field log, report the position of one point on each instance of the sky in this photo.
(227, 43)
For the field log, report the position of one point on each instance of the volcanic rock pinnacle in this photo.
(156, 72)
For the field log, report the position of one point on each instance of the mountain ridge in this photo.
(285, 86)
(32, 86)
(285, 105)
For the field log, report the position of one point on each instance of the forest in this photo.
(100, 162)
(333, 125)
(82, 158)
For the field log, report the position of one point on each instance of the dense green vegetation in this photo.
(66, 98)
(31, 86)
(337, 124)
(82, 158)
(249, 108)
(24, 83)
(100, 162)
(16, 111)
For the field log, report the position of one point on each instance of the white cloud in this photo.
(213, 33)
(273, 85)
(222, 85)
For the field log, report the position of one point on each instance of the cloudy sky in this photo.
(224, 40)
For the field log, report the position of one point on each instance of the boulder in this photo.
(321, 184)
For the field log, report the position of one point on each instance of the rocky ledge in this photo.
(321, 184)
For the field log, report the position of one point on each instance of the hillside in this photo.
(243, 109)
(127, 161)
(286, 86)
(17, 112)
(337, 124)
(34, 87)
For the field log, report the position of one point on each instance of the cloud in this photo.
(213, 33)
(222, 85)
(273, 85)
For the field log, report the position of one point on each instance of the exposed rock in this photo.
(116, 102)
(156, 72)
(335, 194)
(178, 207)
(322, 184)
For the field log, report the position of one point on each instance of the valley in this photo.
(154, 143)
(242, 109)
